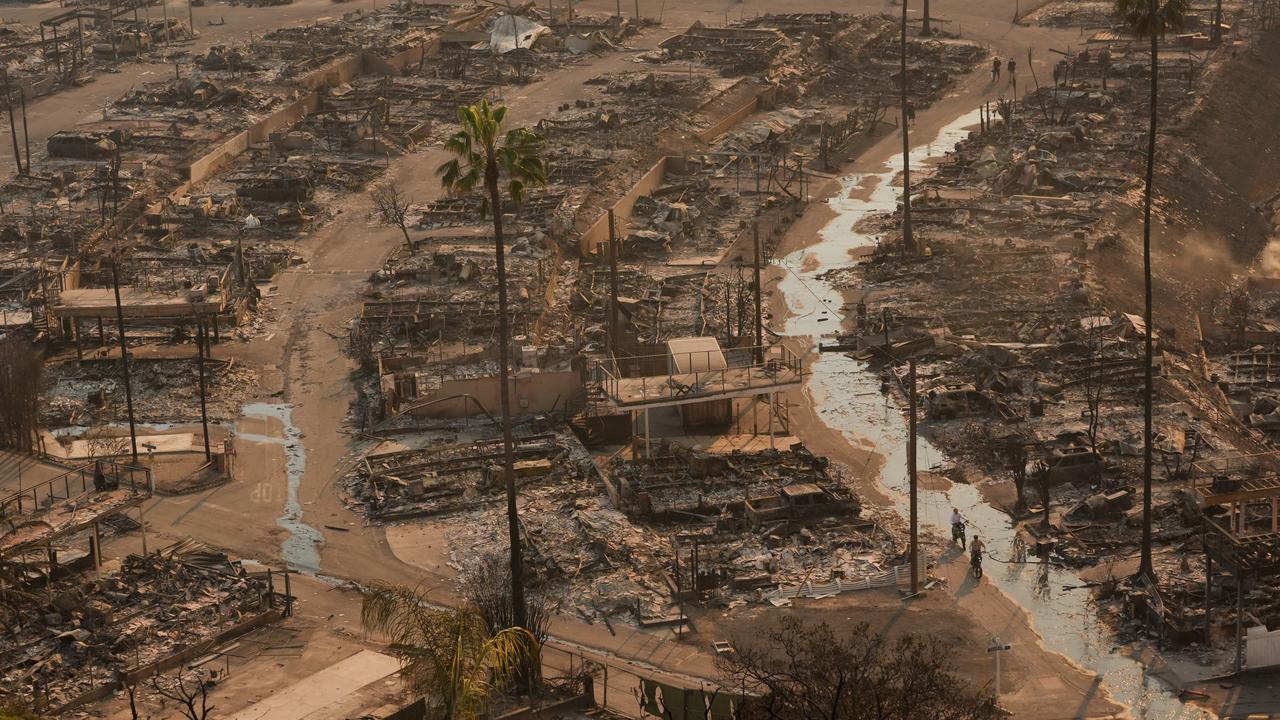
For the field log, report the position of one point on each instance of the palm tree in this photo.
(908, 238)
(484, 155)
(449, 655)
(1151, 19)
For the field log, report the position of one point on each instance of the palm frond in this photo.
(1145, 17)
(446, 653)
(508, 652)
(515, 190)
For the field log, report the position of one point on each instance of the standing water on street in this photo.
(848, 398)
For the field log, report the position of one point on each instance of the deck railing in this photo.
(745, 368)
(73, 483)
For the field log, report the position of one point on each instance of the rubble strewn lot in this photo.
(72, 46)
(79, 634)
(621, 545)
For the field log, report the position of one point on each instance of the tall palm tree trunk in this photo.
(925, 28)
(1145, 567)
(908, 238)
(518, 613)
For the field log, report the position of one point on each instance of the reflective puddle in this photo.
(301, 548)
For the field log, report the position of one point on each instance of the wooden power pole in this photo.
(613, 288)
(908, 239)
(13, 127)
(202, 344)
(912, 479)
(124, 361)
(755, 232)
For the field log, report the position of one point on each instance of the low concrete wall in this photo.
(763, 101)
(598, 233)
(530, 393)
(203, 647)
(335, 72)
(255, 133)
(135, 675)
(396, 64)
(1262, 647)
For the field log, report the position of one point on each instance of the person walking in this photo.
(1012, 68)
(995, 69)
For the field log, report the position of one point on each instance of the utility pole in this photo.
(26, 138)
(168, 31)
(908, 240)
(124, 361)
(13, 128)
(115, 184)
(201, 349)
(755, 232)
(1239, 620)
(613, 288)
(912, 479)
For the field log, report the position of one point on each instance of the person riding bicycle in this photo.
(976, 548)
(957, 527)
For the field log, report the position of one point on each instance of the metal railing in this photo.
(74, 483)
(699, 374)
(1253, 464)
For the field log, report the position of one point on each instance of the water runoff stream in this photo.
(848, 398)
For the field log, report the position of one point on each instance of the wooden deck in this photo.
(1258, 488)
(68, 503)
(66, 517)
(134, 304)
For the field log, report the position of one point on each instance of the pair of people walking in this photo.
(1011, 66)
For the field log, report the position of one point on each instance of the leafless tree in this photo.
(484, 584)
(392, 206)
(1043, 480)
(804, 669)
(1095, 383)
(1237, 309)
(132, 690)
(20, 368)
(105, 447)
(188, 690)
(1016, 457)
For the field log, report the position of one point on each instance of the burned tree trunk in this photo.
(20, 367)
